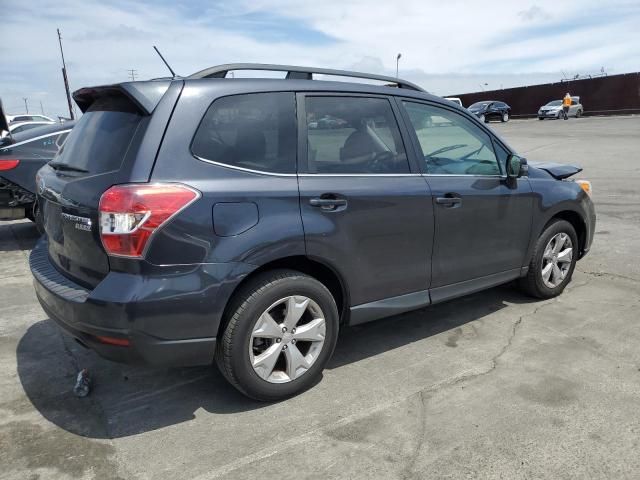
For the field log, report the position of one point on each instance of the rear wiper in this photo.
(64, 166)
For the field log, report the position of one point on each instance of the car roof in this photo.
(32, 122)
(46, 129)
(235, 86)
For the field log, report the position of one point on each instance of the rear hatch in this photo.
(99, 152)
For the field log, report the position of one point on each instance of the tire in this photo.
(238, 351)
(578, 113)
(533, 283)
(540, 118)
(505, 117)
(483, 119)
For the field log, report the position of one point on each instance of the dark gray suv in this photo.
(248, 220)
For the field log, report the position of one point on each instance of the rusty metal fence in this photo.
(610, 95)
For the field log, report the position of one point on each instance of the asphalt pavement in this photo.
(493, 385)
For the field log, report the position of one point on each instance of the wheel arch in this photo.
(578, 223)
(313, 267)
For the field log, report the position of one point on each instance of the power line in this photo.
(132, 74)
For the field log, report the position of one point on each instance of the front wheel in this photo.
(578, 113)
(505, 117)
(483, 119)
(554, 259)
(282, 330)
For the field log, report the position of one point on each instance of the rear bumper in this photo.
(170, 318)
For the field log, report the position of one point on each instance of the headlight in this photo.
(585, 185)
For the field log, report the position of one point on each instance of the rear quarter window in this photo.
(255, 131)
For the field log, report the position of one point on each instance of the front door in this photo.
(365, 210)
(482, 220)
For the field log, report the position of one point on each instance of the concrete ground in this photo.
(494, 385)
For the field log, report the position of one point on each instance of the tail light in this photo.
(131, 214)
(8, 164)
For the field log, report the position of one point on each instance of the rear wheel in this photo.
(280, 335)
(554, 259)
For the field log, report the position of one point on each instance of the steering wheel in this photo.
(382, 162)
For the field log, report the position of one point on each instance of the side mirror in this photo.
(517, 166)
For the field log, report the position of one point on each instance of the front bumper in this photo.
(168, 319)
(549, 114)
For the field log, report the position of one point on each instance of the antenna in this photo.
(173, 74)
(64, 77)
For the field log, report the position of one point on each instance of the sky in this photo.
(447, 47)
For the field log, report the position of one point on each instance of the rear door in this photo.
(482, 222)
(365, 210)
(99, 152)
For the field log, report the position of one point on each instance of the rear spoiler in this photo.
(557, 170)
(145, 95)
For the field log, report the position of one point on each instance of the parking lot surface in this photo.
(494, 385)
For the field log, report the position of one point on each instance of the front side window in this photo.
(255, 131)
(451, 144)
(353, 135)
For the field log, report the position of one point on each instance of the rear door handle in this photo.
(451, 202)
(328, 203)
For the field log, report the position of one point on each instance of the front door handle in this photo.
(450, 202)
(328, 203)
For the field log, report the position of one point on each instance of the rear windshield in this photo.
(99, 141)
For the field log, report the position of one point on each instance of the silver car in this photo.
(553, 109)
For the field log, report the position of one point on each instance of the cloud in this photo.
(445, 46)
(533, 13)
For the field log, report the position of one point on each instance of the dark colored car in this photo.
(21, 156)
(201, 218)
(491, 110)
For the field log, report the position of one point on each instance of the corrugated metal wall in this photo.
(611, 95)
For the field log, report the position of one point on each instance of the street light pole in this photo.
(26, 105)
(397, 63)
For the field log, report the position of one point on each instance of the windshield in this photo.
(478, 105)
(554, 103)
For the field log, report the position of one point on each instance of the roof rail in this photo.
(298, 73)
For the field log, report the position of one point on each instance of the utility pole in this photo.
(41, 107)
(64, 76)
(132, 74)
(398, 63)
(26, 105)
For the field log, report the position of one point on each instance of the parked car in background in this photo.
(491, 110)
(19, 127)
(553, 109)
(28, 117)
(21, 156)
(454, 100)
(203, 218)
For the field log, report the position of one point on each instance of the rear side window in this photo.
(99, 141)
(353, 135)
(256, 131)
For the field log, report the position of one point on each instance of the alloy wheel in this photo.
(556, 260)
(287, 339)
